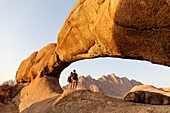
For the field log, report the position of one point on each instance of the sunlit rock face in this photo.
(41, 88)
(133, 29)
(43, 62)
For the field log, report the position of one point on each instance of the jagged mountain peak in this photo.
(110, 85)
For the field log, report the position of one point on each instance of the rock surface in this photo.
(44, 62)
(38, 90)
(109, 85)
(42, 96)
(148, 94)
(85, 101)
(150, 88)
(147, 98)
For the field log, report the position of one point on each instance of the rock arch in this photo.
(132, 29)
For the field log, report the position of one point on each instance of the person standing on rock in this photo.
(74, 79)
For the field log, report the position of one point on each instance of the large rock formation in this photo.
(134, 29)
(148, 98)
(109, 85)
(137, 29)
(149, 95)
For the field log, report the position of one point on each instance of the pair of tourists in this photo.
(73, 79)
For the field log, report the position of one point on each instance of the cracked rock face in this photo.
(132, 29)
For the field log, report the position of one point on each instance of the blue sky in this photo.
(28, 25)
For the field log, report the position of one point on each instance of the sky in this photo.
(28, 25)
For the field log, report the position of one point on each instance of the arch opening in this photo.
(142, 71)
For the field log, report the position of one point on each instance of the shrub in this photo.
(5, 90)
(9, 82)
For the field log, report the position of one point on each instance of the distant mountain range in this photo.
(109, 85)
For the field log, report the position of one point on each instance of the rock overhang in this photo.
(136, 29)
(131, 29)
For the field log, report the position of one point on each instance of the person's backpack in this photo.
(74, 76)
(69, 79)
